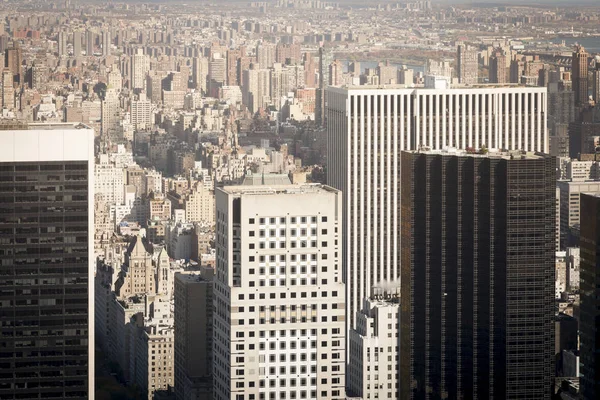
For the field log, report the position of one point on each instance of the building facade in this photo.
(477, 282)
(46, 262)
(590, 282)
(374, 354)
(278, 294)
(370, 127)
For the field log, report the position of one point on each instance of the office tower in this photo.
(335, 73)
(77, 43)
(438, 68)
(288, 53)
(90, 41)
(62, 43)
(140, 65)
(498, 67)
(216, 74)
(375, 341)
(106, 42)
(369, 127)
(115, 80)
(193, 337)
(46, 262)
(279, 301)
(325, 59)
(13, 61)
(579, 68)
(8, 90)
(387, 73)
(310, 69)
(141, 112)
(589, 317)
(256, 86)
(405, 76)
(477, 282)
(265, 55)
(233, 57)
(200, 73)
(596, 81)
(467, 64)
(570, 207)
(354, 68)
(111, 114)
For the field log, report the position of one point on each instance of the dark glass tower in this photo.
(46, 327)
(477, 252)
(589, 316)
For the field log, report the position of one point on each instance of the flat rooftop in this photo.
(306, 188)
(490, 153)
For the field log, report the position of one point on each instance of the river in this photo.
(591, 43)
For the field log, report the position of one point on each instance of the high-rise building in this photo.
(265, 55)
(90, 41)
(62, 43)
(13, 61)
(111, 114)
(467, 64)
(47, 262)
(370, 127)
(256, 85)
(375, 342)
(8, 90)
(141, 112)
(106, 42)
(579, 68)
(77, 36)
(589, 315)
(570, 207)
(279, 301)
(193, 314)
(140, 65)
(387, 73)
(596, 81)
(200, 73)
(498, 72)
(477, 251)
(335, 73)
(325, 59)
(216, 74)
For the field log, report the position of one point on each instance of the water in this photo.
(591, 44)
(373, 64)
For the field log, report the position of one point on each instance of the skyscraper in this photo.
(467, 64)
(77, 35)
(368, 130)
(498, 72)
(325, 59)
(477, 251)
(579, 67)
(596, 81)
(193, 337)
(46, 262)
(106, 42)
(589, 317)
(279, 301)
(140, 65)
(62, 43)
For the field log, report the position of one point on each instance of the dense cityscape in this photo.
(299, 199)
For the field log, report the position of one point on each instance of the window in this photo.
(251, 221)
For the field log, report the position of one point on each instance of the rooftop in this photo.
(307, 188)
(483, 153)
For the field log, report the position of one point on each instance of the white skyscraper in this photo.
(140, 65)
(367, 129)
(279, 301)
(141, 112)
